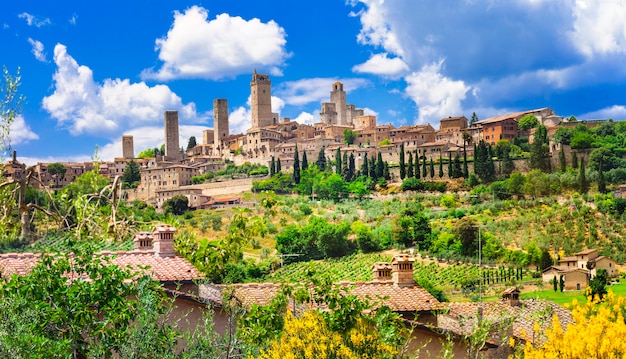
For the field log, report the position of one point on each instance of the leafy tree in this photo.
(191, 143)
(539, 150)
(563, 135)
(598, 284)
(148, 153)
(457, 172)
(482, 167)
(321, 160)
(385, 142)
(402, 164)
(602, 159)
(57, 169)
(176, 205)
(296, 166)
(349, 136)
(10, 107)
(412, 227)
(545, 260)
(132, 173)
(527, 122)
(466, 231)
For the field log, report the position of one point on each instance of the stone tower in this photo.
(220, 120)
(128, 151)
(338, 97)
(172, 146)
(261, 100)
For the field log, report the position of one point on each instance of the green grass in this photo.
(567, 297)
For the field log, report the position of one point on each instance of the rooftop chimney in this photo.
(143, 241)
(163, 240)
(381, 271)
(511, 295)
(402, 270)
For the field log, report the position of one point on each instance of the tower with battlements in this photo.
(220, 120)
(338, 97)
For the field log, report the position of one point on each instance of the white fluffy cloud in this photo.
(599, 27)
(381, 64)
(20, 131)
(315, 90)
(306, 118)
(240, 120)
(107, 109)
(436, 95)
(614, 112)
(32, 20)
(37, 49)
(226, 46)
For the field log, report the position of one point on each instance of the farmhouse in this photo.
(578, 269)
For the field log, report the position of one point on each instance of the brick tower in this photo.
(261, 100)
(128, 151)
(220, 120)
(338, 97)
(172, 146)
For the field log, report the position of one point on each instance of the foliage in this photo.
(527, 122)
(385, 142)
(57, 169)
(191, 143)
(10, 107)
(597, 330)
(597, 285)
(318, 239)
(412, 227)
(540, 151)
(176, 205)
(131, 174)
(349, 136)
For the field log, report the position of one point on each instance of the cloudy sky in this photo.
(93, 71)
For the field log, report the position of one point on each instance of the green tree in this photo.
(386, 174)
(466, 139)
(561, 283)
(546, 260)
(583, 185)
(11, 106)
(600, 160)
(191, 143)
(527, 122)
(424, 167)
(365, 167)
(441, 165)
(598, 284)
(474, 119)
(539, 150)
(321, 160)
(562, 162)
(272, 167)
(176, 205)
(372, 168)
(132, 173)
(466, 231)
(349, 136)
(457, 171)
(432, 168)
(338, 164)
(416, 168)
(410, 169)
(351, 168)
(555, 283)
(296, 166)
(345, 167)
(305, 161)
(412, 227)
(278, 166)
(402, 164)
(450, 171)
(57, 170)
(380, 166)
(147, 153)
(574, 160)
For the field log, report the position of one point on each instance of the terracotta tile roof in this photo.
(586, 251)
(399, 299)
(568, 259)
(162, 269)
(462, 316)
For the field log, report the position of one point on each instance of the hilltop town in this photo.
(166, 175)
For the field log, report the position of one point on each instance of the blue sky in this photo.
(93, 71)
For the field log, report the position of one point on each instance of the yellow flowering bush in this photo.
(308, 337)
(598, 332)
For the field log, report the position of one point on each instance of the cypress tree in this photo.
(351, 168)
(432, 168)
(440, 166)
(321, 160)
(365, 167)
(345, 167)
(457, 171)
(410, 169)
(465, 169)
(305, 161)
(424, 169)
(278, 168)
(296, 166)
(416, 168)
(582, 179)
(386, 171)
(402, 165)
(338, 166)
(491, 167)
(373, 169)
(450, 172)
(272, 167)
(380, 166)
(562, 159)
(574, 160)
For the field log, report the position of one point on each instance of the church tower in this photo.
(261, 100)
(338, 97)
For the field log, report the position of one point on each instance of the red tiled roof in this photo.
(586, 251)
(399, 299)
(162, 269)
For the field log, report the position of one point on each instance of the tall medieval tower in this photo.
(261, 100)
(128, 151)
(338, 97)
(220, 120)
(172, 146)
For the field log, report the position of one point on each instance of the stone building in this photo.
(172, 145)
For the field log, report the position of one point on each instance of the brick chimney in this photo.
(163, 240)
(511, 295)
(143, 241)
(402, 270)
(381, 271)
